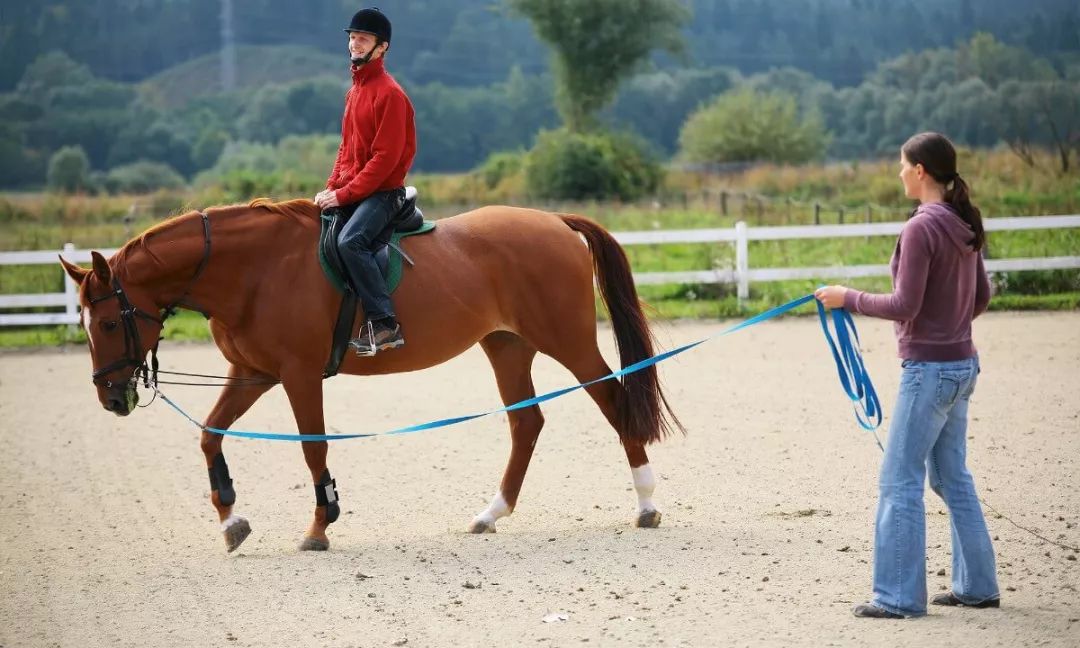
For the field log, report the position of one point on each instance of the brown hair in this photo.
(937, 155)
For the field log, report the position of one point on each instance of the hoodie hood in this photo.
(946, 220)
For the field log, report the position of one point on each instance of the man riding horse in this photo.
(378, 142)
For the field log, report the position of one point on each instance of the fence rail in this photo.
(741, 275)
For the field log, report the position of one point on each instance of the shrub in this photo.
(142, 177)
(594, 165)
(69, 170)
(500, 166)
(747, 125)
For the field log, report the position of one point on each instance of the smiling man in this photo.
(378, 142)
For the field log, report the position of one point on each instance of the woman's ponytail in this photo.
(959, 196)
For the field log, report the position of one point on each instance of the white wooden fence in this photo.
(741, 235)
(741, 274)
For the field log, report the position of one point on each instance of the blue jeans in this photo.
(928, 434)
(363, 234)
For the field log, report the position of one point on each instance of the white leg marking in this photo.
(644, 484)
(497, 509)
(229, 521)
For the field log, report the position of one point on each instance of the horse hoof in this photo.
(648, 520)
(236, 533)
(481, 526)
(314, 544)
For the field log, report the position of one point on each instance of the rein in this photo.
(230, 381)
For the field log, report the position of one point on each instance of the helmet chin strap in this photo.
(363, 60)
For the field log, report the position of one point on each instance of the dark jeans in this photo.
(363, 234)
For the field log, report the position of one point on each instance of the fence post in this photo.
(817, 214)
(71, 291)
(840, 214)
(742, 261)
(723, 203)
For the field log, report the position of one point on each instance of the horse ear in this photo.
(101, 267)
(77, 273)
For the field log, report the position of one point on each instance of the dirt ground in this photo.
(109, 538)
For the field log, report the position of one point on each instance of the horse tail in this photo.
(643, 412)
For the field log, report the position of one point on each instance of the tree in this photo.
(746, 125)
(300, 108)
(599, 43)
(655, 105)
(51, 71)
(154, 138)
(994, 62)
(208, 148)
(69, 169)
(1040, 113)
(18, 166)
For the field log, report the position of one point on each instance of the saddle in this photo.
(409, 221)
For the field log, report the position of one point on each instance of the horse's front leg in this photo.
(306, 397)
(234, 400)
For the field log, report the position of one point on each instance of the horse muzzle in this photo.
(121, 401)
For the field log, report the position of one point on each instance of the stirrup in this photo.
(367, 348)
(364, 345)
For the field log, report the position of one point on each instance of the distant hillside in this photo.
(478, 42)
(255, 66)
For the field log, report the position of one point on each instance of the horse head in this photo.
(121, 325)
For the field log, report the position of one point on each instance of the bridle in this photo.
(133, 354)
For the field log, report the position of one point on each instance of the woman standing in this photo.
(939, 286)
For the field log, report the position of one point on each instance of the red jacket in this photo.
(378, 136)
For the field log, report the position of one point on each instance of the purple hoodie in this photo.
(939, 286)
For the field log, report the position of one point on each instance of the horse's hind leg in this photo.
(511, 357)
(232, 403)
(587, 364)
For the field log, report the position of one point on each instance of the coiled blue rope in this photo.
(852, 370)
(853, 377)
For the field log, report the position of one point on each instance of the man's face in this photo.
(360, 43)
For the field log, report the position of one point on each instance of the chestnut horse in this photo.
(517, 281)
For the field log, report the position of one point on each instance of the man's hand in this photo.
(326, 199)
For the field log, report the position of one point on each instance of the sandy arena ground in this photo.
(109, 539)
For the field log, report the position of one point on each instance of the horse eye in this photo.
(109, 326)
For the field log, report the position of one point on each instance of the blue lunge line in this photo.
(849, 364)
(853, 375)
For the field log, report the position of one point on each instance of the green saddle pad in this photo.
(393, 264)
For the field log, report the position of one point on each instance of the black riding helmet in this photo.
(371, 21)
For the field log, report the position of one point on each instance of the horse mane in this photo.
(301, 210)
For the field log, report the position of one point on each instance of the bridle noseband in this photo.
(132, 339)
(133, 356)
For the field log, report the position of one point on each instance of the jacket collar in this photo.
(368, 71)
